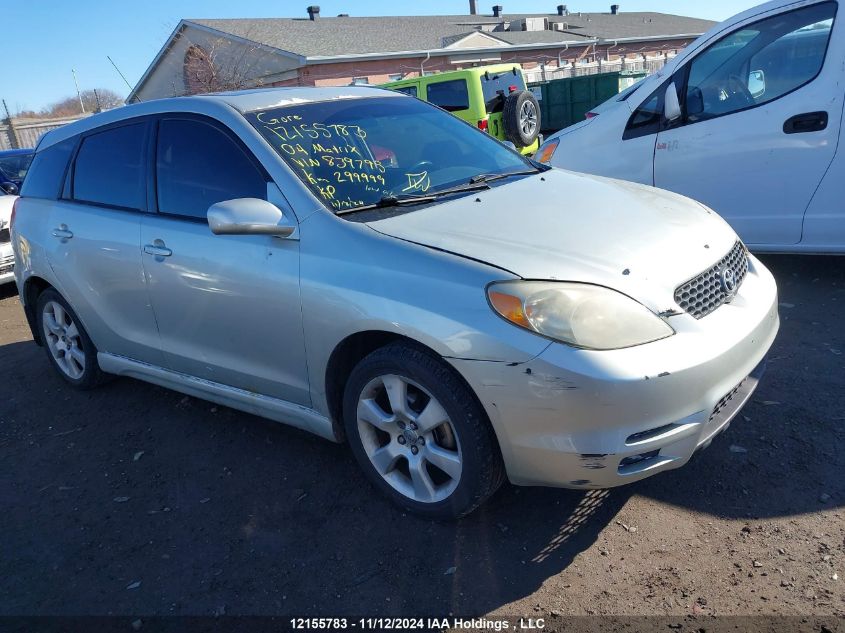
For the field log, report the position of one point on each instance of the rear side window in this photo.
(47, 172)
(449, 95)
(408, 90)
(109, 168)
(497, 86)
(198, 165)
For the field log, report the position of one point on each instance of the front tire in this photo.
(68, 346)
(419, 434)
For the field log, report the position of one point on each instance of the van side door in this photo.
(760, 121)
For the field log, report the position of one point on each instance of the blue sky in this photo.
(41, 45)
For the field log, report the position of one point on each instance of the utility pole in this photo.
(78, 94)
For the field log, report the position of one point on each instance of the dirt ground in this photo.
(135, 500)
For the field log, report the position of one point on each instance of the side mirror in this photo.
(508, 144)
(248, 216)
(671, 104)
(10, 188)
(757, 83)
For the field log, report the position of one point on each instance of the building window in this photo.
(396, 76)
(360, 81)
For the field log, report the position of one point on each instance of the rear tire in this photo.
(68, 346)
(521, 118)
(419, 433)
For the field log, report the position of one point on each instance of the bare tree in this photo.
(223, 64)
(93, 100)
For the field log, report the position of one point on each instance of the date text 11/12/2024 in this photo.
(421, 624)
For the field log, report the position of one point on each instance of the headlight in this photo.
(582, 315)
(545, 153)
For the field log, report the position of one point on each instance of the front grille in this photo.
(701, 295)
(4, 236)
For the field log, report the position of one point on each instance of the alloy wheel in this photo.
(528, 118)
(63, 340)
(409, 438)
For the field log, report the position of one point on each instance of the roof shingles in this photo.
(329, 37)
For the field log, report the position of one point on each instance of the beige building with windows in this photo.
(207, 55)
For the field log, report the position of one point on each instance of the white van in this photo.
(746, 120)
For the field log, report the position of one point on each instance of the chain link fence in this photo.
(649, 65)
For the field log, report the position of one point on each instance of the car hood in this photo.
(566, 226)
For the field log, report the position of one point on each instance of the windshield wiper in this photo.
(509, 174)
(399, 201)
(389, 201)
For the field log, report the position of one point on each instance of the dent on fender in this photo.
(543, 385)
(594, 461)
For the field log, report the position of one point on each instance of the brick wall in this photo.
(380, 71)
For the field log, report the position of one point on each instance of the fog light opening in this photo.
(638, 459)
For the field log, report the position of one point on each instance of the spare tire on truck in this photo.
(521, 118)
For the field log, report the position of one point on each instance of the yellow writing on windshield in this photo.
(333, 158)
(418, 182)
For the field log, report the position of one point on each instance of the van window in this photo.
(449, 95)
(759, 63)
(646, 119)
(109, 167)
(47, 171)
(497, 86)
(197, 165)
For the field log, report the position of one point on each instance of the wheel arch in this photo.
(354, 348)
(33, 287)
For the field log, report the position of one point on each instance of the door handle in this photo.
(808, 122)
(158, 249)
(62, 233)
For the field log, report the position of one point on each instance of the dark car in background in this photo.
(14, 164)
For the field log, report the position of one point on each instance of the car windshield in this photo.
(359, 151)
(14, 167)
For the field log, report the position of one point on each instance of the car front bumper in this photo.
(7, 263)
(596, 419)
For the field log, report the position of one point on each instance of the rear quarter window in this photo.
(46, 174)
(408, 90)
(449, 95)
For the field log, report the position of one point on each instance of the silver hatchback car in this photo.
(367, 267)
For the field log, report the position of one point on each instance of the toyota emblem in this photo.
(728, 279)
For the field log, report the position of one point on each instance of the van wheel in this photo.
(66, 342)
(419, 433)
(521, 118)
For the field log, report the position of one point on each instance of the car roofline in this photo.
(215, 104)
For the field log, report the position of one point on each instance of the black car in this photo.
(14, 164)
